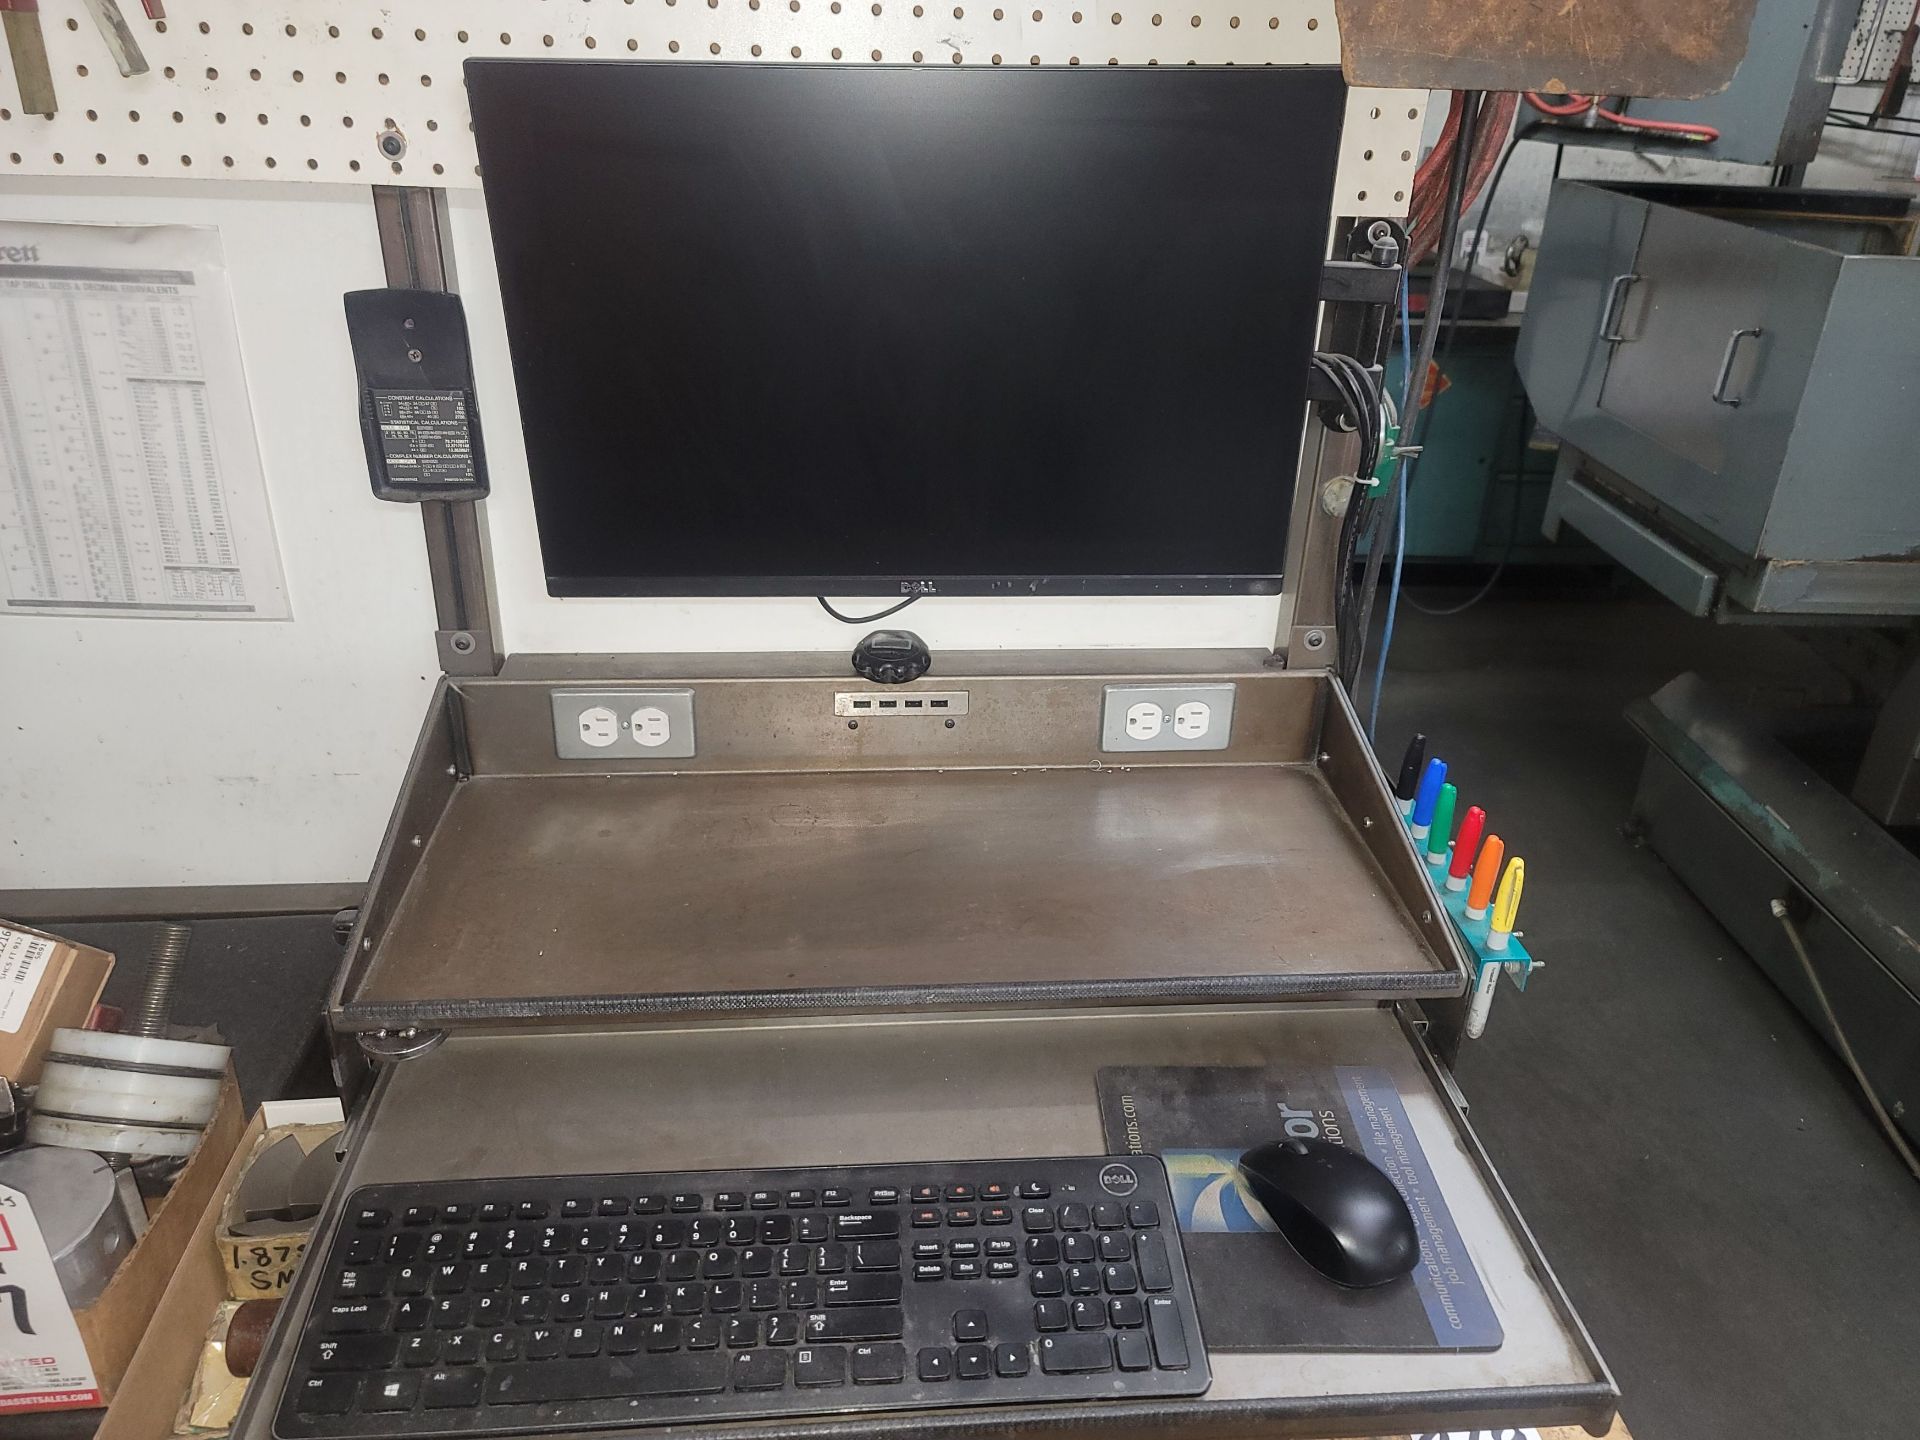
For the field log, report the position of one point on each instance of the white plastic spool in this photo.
(124, 1094)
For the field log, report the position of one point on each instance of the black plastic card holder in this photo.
(418, 415)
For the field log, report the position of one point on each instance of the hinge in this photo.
(386, 1047)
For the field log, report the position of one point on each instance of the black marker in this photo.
(1410, 773)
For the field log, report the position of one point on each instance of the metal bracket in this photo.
(1359, 282)
(389, 1047)
(465, 641)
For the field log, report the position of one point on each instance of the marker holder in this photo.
(1515, 957)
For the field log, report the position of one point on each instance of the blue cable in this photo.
(1400, 514)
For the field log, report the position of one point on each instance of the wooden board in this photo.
(1608, 47)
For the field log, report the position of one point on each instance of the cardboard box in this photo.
(163, 1366)
(262, 1266)
(46, 984)
(111, 1328)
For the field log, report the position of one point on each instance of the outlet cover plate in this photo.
(676, 705)
(1120, 699)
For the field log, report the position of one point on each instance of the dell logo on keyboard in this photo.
(1119, 1180)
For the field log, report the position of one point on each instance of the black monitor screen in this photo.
(786, 329)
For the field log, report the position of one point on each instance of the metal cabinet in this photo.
(1727, 367)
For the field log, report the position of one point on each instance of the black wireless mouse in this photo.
(1336, 1208)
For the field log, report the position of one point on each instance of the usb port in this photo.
(916, 704)
(863, 704)
(889, 704)
(938, 704)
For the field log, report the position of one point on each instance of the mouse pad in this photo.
(1254, 1292)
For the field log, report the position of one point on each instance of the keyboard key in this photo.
(926, 1218)
(363, 1250)
(501, 1346)
(763, 1294)
(461, 1349)
(1043, 1250)
(1115, 1248)
(660, 1336)
(412, 1314)
(936, 1363)
(558, 1382)
(1120, 1279)
(876, 1255)
(800, 1199)
(1143, 1214)
(1078, 1249)
(686, 1200)
(325, 1395)
(964, 1269)
(583, 1342)
(1002, 1269)
(1075, 1217)
(929, 1270)
(707, 1231)
(996, 1191)
(743, 1332)
(831, 1258)
(959, 1192)
(1130, 1346)
(623, 1339)
(726, 1296)
(1035, 1190)
(802, 1294)
(861, 1290)
(764, 1200)
(369, 1217)
(544, 1342)
(1109, 1215)
(355, 1317)
(756, 1260)
(964, 1249)
(361, 1281)
(760, 1370)
(575, 1209)
(836, 1196)
(681, 1265)
(879, 1364)
(820, 1367)
(612, 1205)
(1036, 1219)
(1088, 1314)
(1003, 1245)
(419, 1350)
(1083, 1280)
(649, 1204)
(1150, 1254)
(706, 1333)
(783, 1330)
(420, 1215)
(1075, 1354)
(810, 1229)
(882, 1195)
(390, 1393)
(530, 1210)
(1050, 1315)
(452, 1389)
(962, 1215)
(1012, 1360)
(969, 1324)
(1047, 1280)
(730, 1200)
(1126, 1313)
(495, 1210)
(973, 1362)
(1169, 1333)
(775, 1230)
(353, 1352)
(996, 1215)
(869, 1225)
(921, 1194)
(863, 1322)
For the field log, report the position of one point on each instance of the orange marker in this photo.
(1485, 872)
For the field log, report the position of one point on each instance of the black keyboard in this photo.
(599, 1300)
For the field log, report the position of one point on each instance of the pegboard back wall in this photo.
(298, 93)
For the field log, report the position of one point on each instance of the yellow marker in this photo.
(1507, 906)
(1486, 870)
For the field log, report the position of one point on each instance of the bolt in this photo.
(853, 724)
(407, 324)
(163, 963)
(462, 643)
(949, 724)
(1315, 639)
(392, 144)
(414, 356)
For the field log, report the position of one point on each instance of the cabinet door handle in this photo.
(1720, 396)
(1609, 312)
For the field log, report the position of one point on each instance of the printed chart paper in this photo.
(130, 479)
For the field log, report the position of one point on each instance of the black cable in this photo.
(865, 619)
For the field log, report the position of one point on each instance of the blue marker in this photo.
(1427, 797)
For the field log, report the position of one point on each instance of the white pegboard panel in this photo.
(1875, 42)
(281, 92)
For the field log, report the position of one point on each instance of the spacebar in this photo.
(557, 1381)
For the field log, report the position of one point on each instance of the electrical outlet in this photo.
(623, 724)
(1166, 717)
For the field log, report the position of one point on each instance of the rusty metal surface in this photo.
(631, 894)
(1610, 47)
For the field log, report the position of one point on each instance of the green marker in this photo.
(1442, 831)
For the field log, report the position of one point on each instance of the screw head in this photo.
(1315, 639)
(414, 356)
(392, 143)
(462, 643)
(950, 724)
(853, 724)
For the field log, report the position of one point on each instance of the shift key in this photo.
(862, 1322)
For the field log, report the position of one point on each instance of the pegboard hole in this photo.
(227, 160)
(713, 48)
(673, 47)
(999, 14)
(299, 76)
(956, 57)
(1116, 17)
(1036, 15)
(835, 52)
(355, 165)
(1361, 196)
(1033, 59)
(433, 124)
(93, 115)
(795, 52)
(419, 34)
(1195, 22)
(133, 115)
(547, 40)
(253, 74)
(1406, 154)
(959, 13)
(99, 159)
(346, 121)
(219, 117)
(186, 160)
(58, 158)
(378, 33)
(428, 79)
(1233, 22)
(168, 72)
(333, 32)
(1156, 19)
(1414, 114)
(1312, 24)
(1374, 113)
(382, 79)
(73, 24)
(461, 36)
(292, 30)
(312, 164)
(81, 71)
(505, 38)
(246, 27)
(1273, 23)
(1399, 194)
(205, 28)
(178, 118)
(262, 118)
(1366, 154)
(755, 50)
(1076, 17)
(874, 54)
(271, 162)
(918, 57)
(438, 168)
(306, 120)
(592, 44)
(996, 59)
(15, 157)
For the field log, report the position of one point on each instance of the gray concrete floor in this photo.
(1742, 1243)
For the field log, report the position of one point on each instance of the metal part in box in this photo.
(1735, 387)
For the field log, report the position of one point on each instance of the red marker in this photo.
(1464, 844)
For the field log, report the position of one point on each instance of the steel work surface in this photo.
(692, 892)
(875, 1088)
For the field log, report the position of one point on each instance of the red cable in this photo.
(1676, 127)
(1579, 106)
